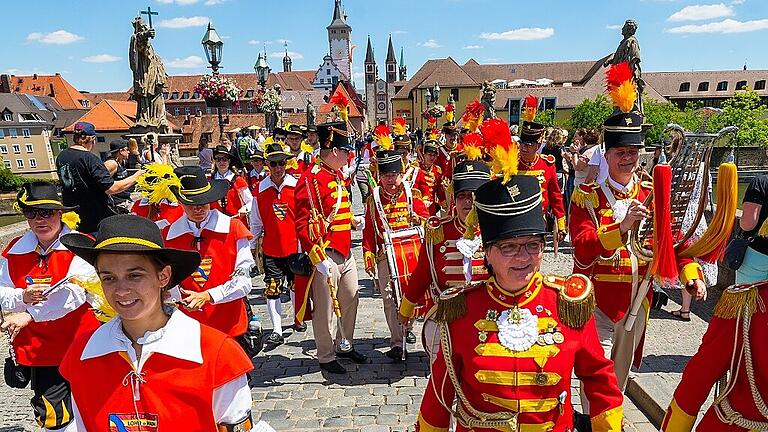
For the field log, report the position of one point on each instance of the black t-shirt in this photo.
(85, 180)
(120, 174)
(757, 192)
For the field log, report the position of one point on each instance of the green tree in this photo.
(744, 111)
(590, 113)
(661, 114)
(546, 117)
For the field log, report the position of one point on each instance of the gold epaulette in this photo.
(434, 232)
(738, 299)
(439, 170)
(586, 193)
(452, 304)
(576, 302)
(548, 158)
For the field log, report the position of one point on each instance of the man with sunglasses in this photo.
(86, 182)
(602, 215)
(294, 138)
(542, 167)
(273, 223)
(509, 346)
(44, 322)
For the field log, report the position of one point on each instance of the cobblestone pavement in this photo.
(291, 394)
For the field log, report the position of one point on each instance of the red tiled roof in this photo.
(111, 116)
(54, 86)
(194, 126)
(668, 83)
(96, 98)
(328, 107)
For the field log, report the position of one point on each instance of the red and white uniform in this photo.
(305, 160)
(399, 214)
(446, 161)
(273, 215)
(58, 320)
(543, 167)
(254, 178)
(224, 246)
(238, 198)
(162, 214)
(429, 181)
(189, 377)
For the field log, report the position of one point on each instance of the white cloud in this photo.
(214, 2)
(701, 12)
(431, 44)
(59, 37)
(291, 54)
(184, 22)
(179, 2)
(613, 26)
(526, 33)
(283, 41)
(724, 26)
(254, 42)
(358, 75)
(472, 47)
(399, 32)
(491, 60)
(101, 58)
(191, 62)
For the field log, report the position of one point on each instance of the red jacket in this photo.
(399, 216)
(157, 212)
(544, 169)
(276, 211)
(429, 183)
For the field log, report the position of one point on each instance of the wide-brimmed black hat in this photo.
(511, 209)
(128, 233)
(117, 145)
(222, 149)
(532, 133)
(279, 131)
(195, 188)
(470, 175)
(334, 135)
(389, 161)
(275, 152)
(311, 128)
(431, 145)
(296, 129)
(41, 195)
(623, 129)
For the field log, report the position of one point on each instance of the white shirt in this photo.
(216, 221)
(598, 159)
(244, 193)
(179, 338)
(60, 302)
(257, 226)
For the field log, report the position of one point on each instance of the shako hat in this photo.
(470, 175)
(195, 188)
(389, 161)
(40, 195)
(625, 126)
(509, 209)
(128, 233)
(334, 135)
(532, 132)
(623, 129)
(431, 145)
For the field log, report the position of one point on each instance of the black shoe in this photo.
(275, 338)
(354, 356)
(581, 422)
(333, 367)
(410, 337)
(301, 328)
(396, 354)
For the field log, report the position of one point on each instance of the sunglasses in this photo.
(276, 163)
(221, 159)
(35, 213)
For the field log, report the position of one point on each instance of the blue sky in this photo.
(87, 41)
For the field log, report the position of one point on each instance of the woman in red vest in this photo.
(272, 218)
(151, 368)
(237, 200)
(46, 322)
(213, 294)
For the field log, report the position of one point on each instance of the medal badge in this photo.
(518, 329)
(280, 209)
(133, 422)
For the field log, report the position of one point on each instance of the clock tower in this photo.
(340, 41)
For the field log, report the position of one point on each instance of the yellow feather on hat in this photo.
(156, 183)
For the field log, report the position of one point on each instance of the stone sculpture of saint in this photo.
(311, 113)
(149, 79)
(488, 99)
(629, 51)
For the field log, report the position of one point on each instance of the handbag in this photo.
(736, 249)
(16, 375)
(299, 264)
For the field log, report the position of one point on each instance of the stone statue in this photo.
(149, 79)
(489, 100)
(311, 113)
(629, 51)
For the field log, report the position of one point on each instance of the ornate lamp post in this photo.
(262, 70)
(213, 45)
(436, 92)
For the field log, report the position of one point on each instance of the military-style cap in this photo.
(470, 175)
(511, 209)
(532, 133)
(389, 161)
(623, 129)
(334, 134)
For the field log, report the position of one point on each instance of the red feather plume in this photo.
(496, 133)
(339, 99)
(473, 109)
(617, 74)
(472, 139)
(531, 101)
(381, 130)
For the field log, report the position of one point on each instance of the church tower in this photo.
(287, 62)
(391, 63)
(340, 41)
(403, 69)
(371, 76)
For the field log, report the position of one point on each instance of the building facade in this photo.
(379, 92)
(26, 129)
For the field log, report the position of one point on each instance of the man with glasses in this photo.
(542, 166)
(602, 216)
(509, 346)
(324, 223)
(86, 183)
(273, 223)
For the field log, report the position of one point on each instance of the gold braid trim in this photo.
(471, 224)
(451, 309)
(435, 234)
(733, 301)
(581, 197)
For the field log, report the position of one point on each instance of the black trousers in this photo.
(52, 401)
(276, 272)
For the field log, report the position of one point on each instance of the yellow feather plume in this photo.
(101, 308)
(504, 161)
(624, 96)
(291, 163)
(156, 183)
(306, 147)
(449, 116)
(71, 220)
(472, 152)
(474, 124)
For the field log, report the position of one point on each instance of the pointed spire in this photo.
(402, 58)
(339, 19)
(369, 52)
(390, 51)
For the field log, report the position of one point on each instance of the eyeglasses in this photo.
(221, 159)
(276, 163)
(35, 213)
(509, 250)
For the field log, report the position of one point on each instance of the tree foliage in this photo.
(545, 117)
(744, 111)
(660, 114)
(591, 113)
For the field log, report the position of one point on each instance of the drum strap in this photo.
(380, 207)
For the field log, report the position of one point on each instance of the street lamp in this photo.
(427, 96)
(262, 70)
(213, 45)
(436, 92)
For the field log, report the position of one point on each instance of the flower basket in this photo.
(218, 91)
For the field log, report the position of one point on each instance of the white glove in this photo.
(359, 223)
(324, 267)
